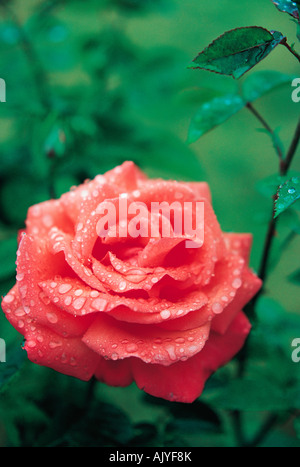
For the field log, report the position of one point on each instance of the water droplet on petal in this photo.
(131, 348)
(52, 318)
(31, 344)
(236, 284)
(94, 294)
(64, 288)
(68, 300)
(179, 340)
(122, 285)
(20, 312)
(8, 298)
(165, 314)
(78, 303)
(217, 308)
(99, 304)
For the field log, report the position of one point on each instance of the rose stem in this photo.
(268, 128)
(250, 309)
(284, 167)
(290, 49)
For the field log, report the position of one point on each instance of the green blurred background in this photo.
(91, 84)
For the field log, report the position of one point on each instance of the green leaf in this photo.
(251, 395)
(268, 186)
(102, 425)
(258, 84)
(237, 51)
(212, 114)
(287, 194)
(287, 6)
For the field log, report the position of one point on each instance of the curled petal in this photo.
(116, 341)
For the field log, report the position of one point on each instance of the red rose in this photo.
(127, 308)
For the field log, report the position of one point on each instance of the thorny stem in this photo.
(290, 49)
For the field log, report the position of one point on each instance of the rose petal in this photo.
(34, 264)
(60, 242)
(42, 217)
(114, 373)
(66, 355)
(126, 176)
(114, 340)
(251, 284)
(184, 381)
(75, 298)
(239, 244)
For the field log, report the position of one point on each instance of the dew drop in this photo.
(179, 340)
(165, 314)
(52, 318)
(131, 348)
(171, 352)
(64, 288)
(180, 312)
(122, 285)
(8, 298)
(94, 294)
(20, 312)
(23, 291)
(78, 292)
(236, 284)
(31, 344)
(68, 300)
(78, 303)
(99, 304)
(217, 308)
